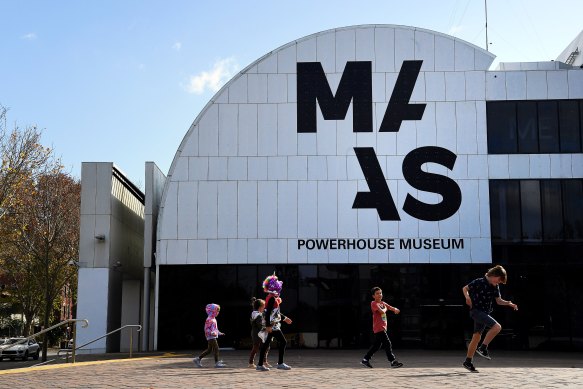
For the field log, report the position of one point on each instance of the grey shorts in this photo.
(481, 320)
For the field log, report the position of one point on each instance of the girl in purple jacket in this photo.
(211, 331)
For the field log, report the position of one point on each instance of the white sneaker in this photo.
(197, 362)
(283, 366)
(220, 364)
(261, 368)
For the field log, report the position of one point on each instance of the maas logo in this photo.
(356, 86)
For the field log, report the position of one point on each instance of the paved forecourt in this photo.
(311, 369)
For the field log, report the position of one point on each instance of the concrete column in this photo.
(130, 314)
(145, 335)
(92, 304)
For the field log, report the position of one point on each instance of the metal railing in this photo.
(74, 349)
(23, 340)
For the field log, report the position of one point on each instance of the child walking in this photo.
(211, 331)
(379, 310)
(273, 317)
(479, 295)
(257, 324)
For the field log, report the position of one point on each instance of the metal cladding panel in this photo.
(364, 144)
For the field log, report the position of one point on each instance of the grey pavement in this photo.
(310, 369)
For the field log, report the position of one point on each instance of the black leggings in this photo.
(281, 342)
(213, 347)
(381, 339)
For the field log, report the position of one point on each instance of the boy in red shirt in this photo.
(379, 327)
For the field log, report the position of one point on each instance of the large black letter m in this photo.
(355, 85)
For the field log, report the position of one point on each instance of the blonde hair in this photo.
(498, 271)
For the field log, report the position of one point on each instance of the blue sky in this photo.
(122, 81)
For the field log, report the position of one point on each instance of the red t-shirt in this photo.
(379, 318)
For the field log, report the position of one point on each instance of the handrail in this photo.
(103, 336)
(23, 340)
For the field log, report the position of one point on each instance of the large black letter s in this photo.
(429, 182)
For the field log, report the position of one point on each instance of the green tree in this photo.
(23, 159)
(39, 228)
(46, 239)
(24, 290)
(8, 305)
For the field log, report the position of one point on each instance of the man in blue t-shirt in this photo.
(479, 294)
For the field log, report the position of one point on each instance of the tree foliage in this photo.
(46, 225)
(23, 158)
(39, 226)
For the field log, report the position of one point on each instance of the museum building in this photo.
(373, 155)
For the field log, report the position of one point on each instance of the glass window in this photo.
(552, 210)
(228, 277)
(548, 127)
(247, 281)
(581, 121)
(505, 210)
(501, 117)
(346, 321)
(569, 126)
(266, 270)
(531, 210)
(527, 127)
(307, 313)
(182, 300)
(572, 200)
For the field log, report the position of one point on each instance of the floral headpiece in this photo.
(272, 285)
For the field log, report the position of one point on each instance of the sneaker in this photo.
(395, 364)
(197, 362)
(283, 366)
(252, 366)
(267, 364)
(470, 367)
(261, 368)
(366, 363)
(483, 352)
(220, 364)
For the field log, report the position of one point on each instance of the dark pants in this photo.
(256, 347)
(381, 339)
(213, 347)
(281, 342)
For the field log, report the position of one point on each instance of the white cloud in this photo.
(213, 79)
(177, 46)
(29, 37)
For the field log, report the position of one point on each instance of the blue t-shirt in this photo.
(483, 294)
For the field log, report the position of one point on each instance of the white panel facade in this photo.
(187, 201)
(384, 41)
(536, 85)
(575, 83)
(257, 91)
(516, 85)
(247, 187)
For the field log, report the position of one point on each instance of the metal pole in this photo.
(131, 341)
(74, 342)
(486, 12)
